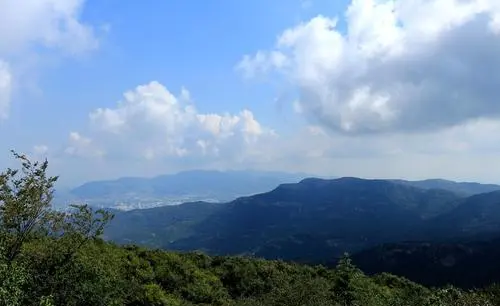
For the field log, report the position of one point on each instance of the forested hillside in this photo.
(388, 226)
(314, 220)
(49, 257)
(467, 264)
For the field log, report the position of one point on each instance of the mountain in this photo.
(466, 263)
(212, 186)
(460, 247)
(462, 188)
(387, 226)
(313, 220)
(474, 216)
(188, 186)
(155, 226)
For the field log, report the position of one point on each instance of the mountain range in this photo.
(129, 193)
(197, 185)
(317, 220)
(461, 188)
(467, 263)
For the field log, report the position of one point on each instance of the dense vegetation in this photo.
(316, 221)
(466, 264)
(57, 258)
(105, 274)
(156, 227)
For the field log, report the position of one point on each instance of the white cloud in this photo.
(31, 25)
(159, 132)
(408, 89)
(262, 62)
(81, 146)
(467, 152)
(151, 123)
(49, 23)
(404, 65)
(5, 89)
(40, 149)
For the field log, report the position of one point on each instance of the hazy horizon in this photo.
(64, 185)
(372, 89)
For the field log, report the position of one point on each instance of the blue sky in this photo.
(179, 43)
(328, 87)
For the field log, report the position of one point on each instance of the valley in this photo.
(130, 193)
(315, 221)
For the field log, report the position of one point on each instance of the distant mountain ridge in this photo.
(187, 186)
(214, 186)
(208, 182)
(317, 219)
(477, 214)
(309, 220)
(383, 223)
(462, 188)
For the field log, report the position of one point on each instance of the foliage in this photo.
(50, 258)
(12, 279)
(25, 204)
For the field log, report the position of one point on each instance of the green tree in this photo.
(12, 279)
(26, 210)
(25, 204)
(28, 221)
(343, 287)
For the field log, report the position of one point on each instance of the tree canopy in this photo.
(51, 257)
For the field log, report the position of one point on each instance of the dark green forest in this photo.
(50, 257)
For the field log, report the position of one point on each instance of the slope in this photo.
(157, 226)
(317, 219)
(466, 264)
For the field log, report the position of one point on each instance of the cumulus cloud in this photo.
(262, 62)
(49, 23)
(81, 146)
(151, 123)
(152, 131)
(467, 152)
(403, 65)
(414, 81)
(30, 25)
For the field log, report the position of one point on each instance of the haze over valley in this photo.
(196, 185)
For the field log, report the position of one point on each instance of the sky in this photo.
(368, 88)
